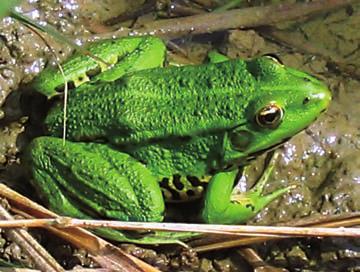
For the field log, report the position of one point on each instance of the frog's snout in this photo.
(320, 97)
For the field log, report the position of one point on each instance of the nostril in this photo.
(306, 100)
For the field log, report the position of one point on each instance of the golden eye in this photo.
(269, 116)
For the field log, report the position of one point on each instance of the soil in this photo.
(323, 161)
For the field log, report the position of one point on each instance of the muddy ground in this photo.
(323, 161)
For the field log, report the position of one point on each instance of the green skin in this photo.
(135, 125)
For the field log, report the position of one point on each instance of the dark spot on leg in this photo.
(93, 72)
(164, 183)
(175, 196)
(250, 207)
(177, 182)
(61, 88)
(195, 181)
(190, 193)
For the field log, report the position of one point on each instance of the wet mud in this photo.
(322, 161)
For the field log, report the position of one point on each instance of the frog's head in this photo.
(284, 102)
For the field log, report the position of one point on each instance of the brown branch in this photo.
(237, 18)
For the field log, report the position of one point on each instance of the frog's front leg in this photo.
(223, 207)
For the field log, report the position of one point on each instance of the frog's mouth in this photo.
(254, 155)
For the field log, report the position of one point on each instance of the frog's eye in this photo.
(269, 116)
(274, 58)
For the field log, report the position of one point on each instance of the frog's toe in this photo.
(254, 201)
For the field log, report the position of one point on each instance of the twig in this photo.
(40, 257)
(256, 262)
(336, 221)
(237, 18)
(105, 254)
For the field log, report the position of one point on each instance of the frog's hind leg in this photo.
(148, 52)
(80, 179)
(85, 180)
(114, 59)
(223, 207)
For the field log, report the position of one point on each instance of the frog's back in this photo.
(156, 104)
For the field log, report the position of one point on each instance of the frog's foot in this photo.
(253, 199)
(222, 206)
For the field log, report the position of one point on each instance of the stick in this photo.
(41, 258)
(241, 230)
(237, 18)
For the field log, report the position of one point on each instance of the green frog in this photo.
(139, 134)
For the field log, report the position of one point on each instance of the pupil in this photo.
(270, 117)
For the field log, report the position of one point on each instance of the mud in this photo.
(323, 161)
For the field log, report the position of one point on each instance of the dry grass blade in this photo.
(107, 254)
(40, 257)
(104, 253)
(336, 221)
(32, 28)
(258, 264)
(232, 230)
